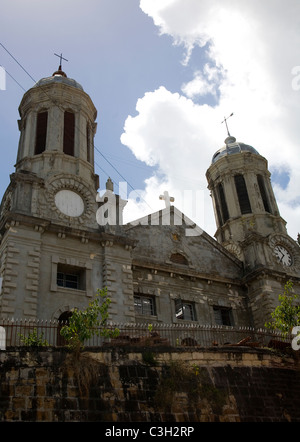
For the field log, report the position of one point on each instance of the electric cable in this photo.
(78, 128)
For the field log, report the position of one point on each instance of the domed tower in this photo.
(55, 162)
(249, 223)
(53, 254)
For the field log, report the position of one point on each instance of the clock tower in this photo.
(54, 255)
(250, 226)
(54, 176)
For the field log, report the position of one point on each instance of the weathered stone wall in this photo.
(149, 384)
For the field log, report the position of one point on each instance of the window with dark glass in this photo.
(242, 194)
(69, 133)
(263, 193)
(41, 132)
(185, 310)
(223, 204)
(70, 277)
(223, 316)
(144, 305)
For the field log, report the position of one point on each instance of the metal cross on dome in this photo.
(225, 121)
(61, 58)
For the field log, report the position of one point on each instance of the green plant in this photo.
(286, 315)
(83, 324)
(33, 340)
(149, 358)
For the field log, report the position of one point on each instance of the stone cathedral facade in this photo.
(58, 244)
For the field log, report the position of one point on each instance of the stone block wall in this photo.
(149, 385)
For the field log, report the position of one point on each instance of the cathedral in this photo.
(60, 240)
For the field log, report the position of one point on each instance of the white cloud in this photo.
(206, 83)
(252, 48)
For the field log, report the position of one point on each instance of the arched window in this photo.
(242, 193)
(69, 133)
(88, 143)
(178, 258)
(41, 132)
(263, 193)
(62, 320)
(223, 204)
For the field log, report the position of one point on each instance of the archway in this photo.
(62, 320)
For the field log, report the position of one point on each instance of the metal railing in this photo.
(18, 333)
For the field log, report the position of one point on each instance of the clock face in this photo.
(283, 255)
(69, 203)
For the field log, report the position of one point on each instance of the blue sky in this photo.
(162, 75)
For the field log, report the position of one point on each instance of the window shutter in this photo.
(88, 144)
(263, 193)
(178, 258)
(242, 194)
(224, 208)
(69, 133)
(41, 132)
(178, 309)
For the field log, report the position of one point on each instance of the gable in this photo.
(180, 244)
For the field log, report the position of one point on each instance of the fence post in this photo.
(2, 338)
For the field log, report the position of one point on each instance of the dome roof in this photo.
(232, 147)
(59, 77)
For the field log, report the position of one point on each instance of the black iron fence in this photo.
(27, 332)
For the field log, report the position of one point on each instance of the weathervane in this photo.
(225, 120)
(61, 58)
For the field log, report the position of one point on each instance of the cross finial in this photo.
(60, 62)
(167, 198)
(225, 120)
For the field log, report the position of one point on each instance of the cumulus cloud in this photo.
(251, 49)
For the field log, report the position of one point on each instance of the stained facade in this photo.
(60, 241)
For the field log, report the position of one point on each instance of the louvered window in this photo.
(69, 133)
(242, 194)
(223, 204)
(178, 258)
(263, 193)
(88, 144)
(41, 132)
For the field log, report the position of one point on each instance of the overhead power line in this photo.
(50, 98)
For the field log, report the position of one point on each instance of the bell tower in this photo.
(48, 212)
(54, 177)
(249, 223)
(242, 195)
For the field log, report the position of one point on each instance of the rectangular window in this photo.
(185, 310)
(144, 305)
(242, 194)
(69, 133)
(223, 316)
(70, 277)
(41, 132)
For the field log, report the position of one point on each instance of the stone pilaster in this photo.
(117, 277)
